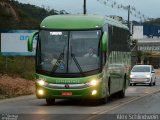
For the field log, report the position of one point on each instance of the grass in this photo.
(18, 66)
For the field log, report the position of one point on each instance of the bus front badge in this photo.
(66, 86)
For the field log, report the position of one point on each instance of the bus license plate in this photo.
(66, 93)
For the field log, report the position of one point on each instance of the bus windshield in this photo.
(68, 51)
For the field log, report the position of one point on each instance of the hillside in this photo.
(15, 15)
(153, 22)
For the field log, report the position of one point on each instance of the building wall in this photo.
(148, 42)
(137, 32)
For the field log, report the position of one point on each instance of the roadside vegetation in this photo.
(15, 15)
(23, 67)
(17, 74)
(15, 86)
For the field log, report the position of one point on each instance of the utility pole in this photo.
(84, 7)
(129, 17)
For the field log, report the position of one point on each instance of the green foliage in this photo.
(153, 22)
(23, 66)
(15, 15)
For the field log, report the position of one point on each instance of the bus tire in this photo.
(104, 100)
(50, 101)
(109, 86)
(122, 92)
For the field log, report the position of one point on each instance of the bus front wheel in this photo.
(104, 100)
(50, 101)
(122, 93)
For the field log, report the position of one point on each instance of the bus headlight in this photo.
(94, 92)
(94, 82)
(41, 82)
(40, 92)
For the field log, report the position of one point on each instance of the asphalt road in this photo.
(139, 99)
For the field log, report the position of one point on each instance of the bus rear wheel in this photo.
(122, 92)
(50, 101)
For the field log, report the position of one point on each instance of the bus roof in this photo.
(78, 22)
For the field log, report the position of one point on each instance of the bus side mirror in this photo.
(30, 41)
(104, 42)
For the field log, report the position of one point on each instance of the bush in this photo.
(12, 87)
(21, 66)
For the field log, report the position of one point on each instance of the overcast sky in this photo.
(150, 8)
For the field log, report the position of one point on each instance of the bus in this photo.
(81, 57)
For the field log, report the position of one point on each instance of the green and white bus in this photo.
(81, 57)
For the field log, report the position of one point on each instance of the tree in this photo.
(143, 56)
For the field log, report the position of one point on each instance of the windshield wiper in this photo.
(77, 64)
(59, 60)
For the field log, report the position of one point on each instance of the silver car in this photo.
(143, 74)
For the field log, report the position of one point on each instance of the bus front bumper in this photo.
(90, 92)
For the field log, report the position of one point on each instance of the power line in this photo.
(133, 11)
